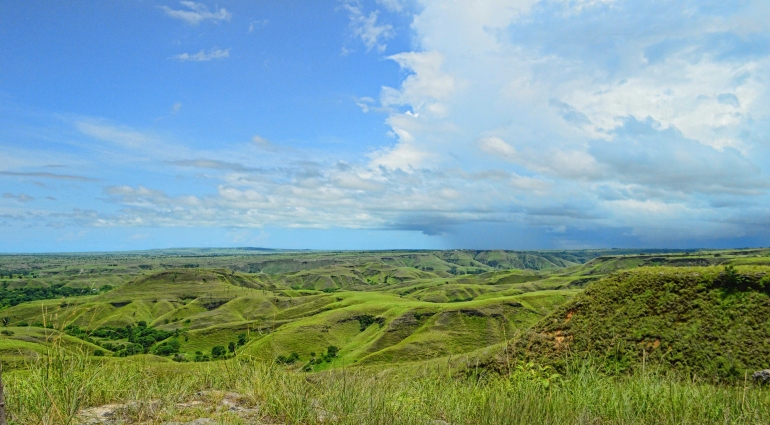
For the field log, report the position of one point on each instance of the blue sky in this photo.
(518, 124)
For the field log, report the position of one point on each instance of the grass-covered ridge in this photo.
(710, 322)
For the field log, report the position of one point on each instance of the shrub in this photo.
(291, 359)
(331, 353)
(242, 339)
(218, 351)
(367, 320)
(166, 348)
(130, 350)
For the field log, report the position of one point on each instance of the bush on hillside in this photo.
(242, 339)
(287, 360)
(166, 348)
(367, 320)
(218, 351)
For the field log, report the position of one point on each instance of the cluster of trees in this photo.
(10, 273)
(166, 348)
(219, 352)
(367, 320)
(144, 339)
(141, 339)
(453, 270)
(290, 359)
(331, 352)
(12, 297)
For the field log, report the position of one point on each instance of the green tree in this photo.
(218, 351)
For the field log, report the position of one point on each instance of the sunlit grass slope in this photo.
(20, 345)
(211, 307)
(402, 329)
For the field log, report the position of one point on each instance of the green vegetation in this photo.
(12, 297)
(607, 336)
(60, 385)
(708, 322)
(140, 339)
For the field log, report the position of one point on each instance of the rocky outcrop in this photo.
(212, 405)
(761, 376)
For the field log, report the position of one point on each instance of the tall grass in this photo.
(54, 388)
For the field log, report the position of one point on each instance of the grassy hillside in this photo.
(702, 321)
(388, 336)
(375, 308)
(199, 309)
(381, 328)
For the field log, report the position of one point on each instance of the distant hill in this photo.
(80, 268)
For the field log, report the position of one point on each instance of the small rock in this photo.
(192, 403)
(761, 376)
(100, 415)
(201, 421)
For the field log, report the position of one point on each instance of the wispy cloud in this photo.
(212, 164)
(195, 13)
(48, 176)
(257, 24)
(126, 144)
(264, 144)
(22, 197)
(497, 146)
(203, 56)
(121, 136)
(365, 27)
(392, 5)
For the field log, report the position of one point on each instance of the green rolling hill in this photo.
(388, 307)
